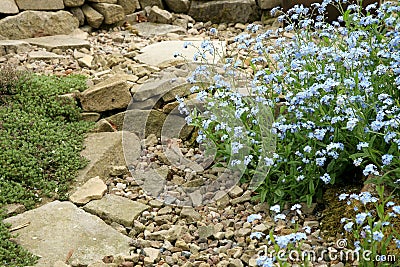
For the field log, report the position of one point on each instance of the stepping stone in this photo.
(62, 42)
(57, 228)
(43, 55)
(93, 189)
(159, 53)
(112, 208)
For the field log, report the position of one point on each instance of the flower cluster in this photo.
(334, 90)
(372, 226)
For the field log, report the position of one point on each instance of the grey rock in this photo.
(112, 13)
(8, 7)
(69, 228)
(40, 4)
(178, 6)
(78, 14)
(157, 53)
(62, 42)
(112, 208)
(158, 15)
(153, 180)
(106, 149)
(110, 94)
(94, 18)
(129, 6)
(172, 234)
(33, 23)
(90, 116)
(13, 47)
(103, 126)
(236, 191)
(43, 55)
(73, 3)
(13, 209)
(153, 254)
(104, 1)
(269, 4)
(155, 88)
(224, 11)
(147, 29)
(93, 189)
(190, 214)
(151, 3)
(86, 61)
(206, 231)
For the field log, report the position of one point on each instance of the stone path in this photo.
(140, 201)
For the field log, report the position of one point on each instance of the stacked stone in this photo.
(98, 13)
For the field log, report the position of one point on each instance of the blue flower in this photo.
(276, 208)
(360, 218)
(320, 161)
(377, 236)
(343, 196)
(387, 159)
(361, 145)
(348, 226)
(396, 209)
(257, 235)
(357, 162)
(265, 261)
(280, 216)
(268, 161)
(326, 178)
(251, 218)
(370, 169)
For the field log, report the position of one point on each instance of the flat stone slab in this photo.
(43, 55)
(158, 53)
(93, 189)
(112, 208)
(107, 149)
(148, 29)
(62, 42)
(13, 47)
(59, 227)
(8, 7)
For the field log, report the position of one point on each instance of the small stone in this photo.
(190, 214)
(235, 263)
(312, 224)
(93, 189)
(236, 191)
(153, 254)
(205, 231)
(243, 232)
(182, 245)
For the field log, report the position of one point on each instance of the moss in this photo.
(41, 136)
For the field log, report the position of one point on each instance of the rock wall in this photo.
(100, 13)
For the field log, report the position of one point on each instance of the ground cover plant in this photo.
(334, 88)
(41, 135)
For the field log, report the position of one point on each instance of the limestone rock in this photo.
(171, 234)
(104, 1)
(94, 18)
(112, 13)
(129, 6)
(34, 23)
(78, 14)
(86, 61)
(269, 4)
(93, 189)
(151, 3)
(103, 126)
(13, 47)
(158, 53)
(147, 29)
(158, 15)
(90, 116)
(107, 95)
(112, 208)
(8, 7)
(73, 3)
(60, 42)
(178, 6)
(224, 11)
(43, 55)
(104, 150)
(69, 228)
(40, 4)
